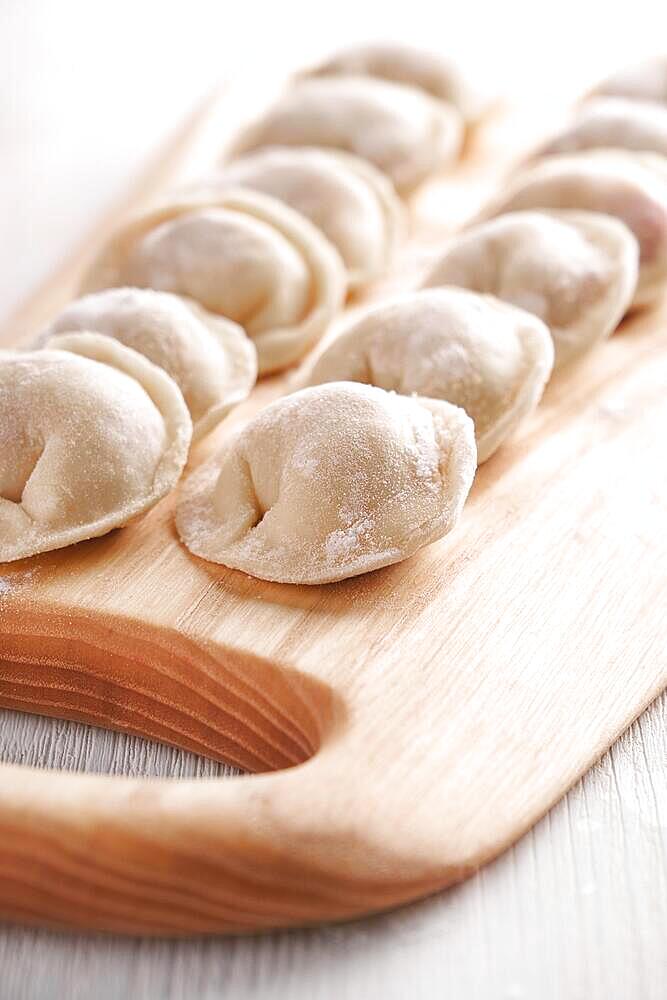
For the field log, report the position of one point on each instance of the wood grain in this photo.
(426, 715)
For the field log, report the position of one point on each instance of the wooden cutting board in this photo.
(413, 723)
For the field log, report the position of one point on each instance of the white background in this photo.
(579, 908)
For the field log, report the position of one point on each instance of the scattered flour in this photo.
(343, 542)
(307, 464)
(15, 580)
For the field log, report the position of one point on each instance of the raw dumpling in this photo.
(210, 358)
(645, 81)
(330, 482)
(613, 122)
(238, 254)
(488, 357)
(353, 204)
(405, 133)
(617, 183)
(91, 434)
(399, 63)
(577, 271)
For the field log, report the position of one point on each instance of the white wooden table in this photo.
(578, 908)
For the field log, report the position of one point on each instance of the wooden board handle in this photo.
(165, 857)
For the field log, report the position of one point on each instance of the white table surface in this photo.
(578, 908)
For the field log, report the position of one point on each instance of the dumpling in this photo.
(405, 133)
(617, 183)
(472, 350)
(612, 122)
(353, 204)
(645, 81)
(91, 434)
(210, 358)
(238, 254)
(330, 482)
(400, 63)
(577, 271)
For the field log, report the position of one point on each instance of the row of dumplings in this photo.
(242, 274)
(189, 301)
